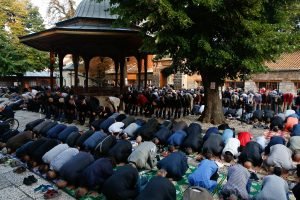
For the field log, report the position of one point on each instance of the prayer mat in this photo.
(180, 185)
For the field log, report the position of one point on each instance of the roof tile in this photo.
(287, 61)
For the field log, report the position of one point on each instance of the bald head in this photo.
(296, 157)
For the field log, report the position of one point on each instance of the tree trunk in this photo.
(213, 112)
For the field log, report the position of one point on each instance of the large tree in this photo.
(19, 18)
(218, 39)
(59, 10)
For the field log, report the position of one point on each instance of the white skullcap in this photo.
(116, 127)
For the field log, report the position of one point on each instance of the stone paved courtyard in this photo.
(11, 184)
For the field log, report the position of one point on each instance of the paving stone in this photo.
(4, 182)
(17, 179)
(12, 193)
(27, 198)
(29, 190)
(5, 169)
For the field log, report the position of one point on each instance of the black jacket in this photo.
(122, 184)
(158, 188)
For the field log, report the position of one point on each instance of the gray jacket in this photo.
(144, 156)
(39, 127)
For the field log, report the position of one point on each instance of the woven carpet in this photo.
(180, 186)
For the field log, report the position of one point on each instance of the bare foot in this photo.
(61, 184)
(80, 192)
(199, 157)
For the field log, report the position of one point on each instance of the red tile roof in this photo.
(287, 61)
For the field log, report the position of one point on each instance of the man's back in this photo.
(280, 156)
(274, 187)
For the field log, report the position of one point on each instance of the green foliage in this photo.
(19, 18)
(217, 38)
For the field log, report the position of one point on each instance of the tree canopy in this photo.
(19, 18)
(229, 37)
(59, 10)
(217, 38)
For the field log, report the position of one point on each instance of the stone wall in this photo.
(193, 81)
(156, 77)
(178, 80)
(284, 86)
(277, 76)
(250, 85)
(287, 87)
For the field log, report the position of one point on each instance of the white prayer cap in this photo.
(116, 127)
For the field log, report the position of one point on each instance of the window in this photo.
(235, 84)
(268, 85)
(32, 83)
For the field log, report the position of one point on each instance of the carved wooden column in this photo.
(87, 68)
(51, 67)
(75, 59)
(145, 70)
(60, 65)
(122, 68)
(116, 61)
(140, 63)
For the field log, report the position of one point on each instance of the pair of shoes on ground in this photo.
(29, 180)
(15, 163)
(48, 190)
(19, 170)
(51, 193)
(43, 188)
(4, 159)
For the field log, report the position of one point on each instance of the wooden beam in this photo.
(145, 70)
(75, 58)
(60, 65)
(122, 78)
(140, 63)
(87, 68)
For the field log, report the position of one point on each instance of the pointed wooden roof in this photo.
(89, 33)
(94, 9)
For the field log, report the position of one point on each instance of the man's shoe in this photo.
(19, 170)
(29, 180)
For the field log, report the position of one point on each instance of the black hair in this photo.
(277, 171)
(115, 133)
(275, 128)
(155, 139)
(171, 148)
(228, 156)
(208, 154)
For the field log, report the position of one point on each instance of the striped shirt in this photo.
(62, 158)
(238, 177)
(50, 155)
(273, 188)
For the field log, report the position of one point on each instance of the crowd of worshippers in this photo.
(65, 106)
(87, 159)
(168, 104)
(240, 104)
(165, 103)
